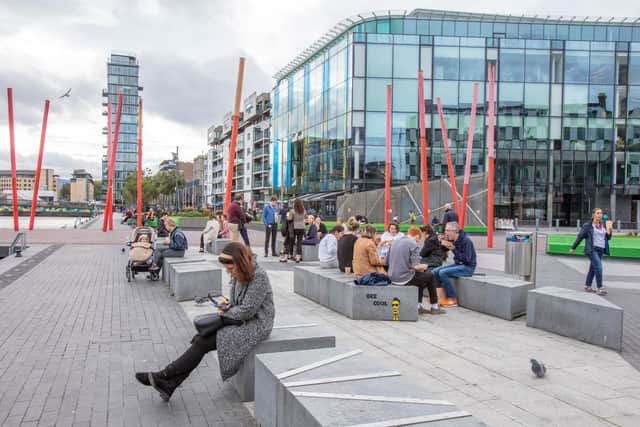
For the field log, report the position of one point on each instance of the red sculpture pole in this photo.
(491, 130)
(467, 166)
(139, 189)
(34, 202)
(452, 173)
(110, 130)
(234, 137)
(423, 150)
(387, 163)
(105, 220)
(12, 149)
(112, 159)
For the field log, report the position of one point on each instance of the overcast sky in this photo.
(188, 53)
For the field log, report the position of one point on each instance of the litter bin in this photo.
(519, 253)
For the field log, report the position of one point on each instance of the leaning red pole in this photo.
(110, 216)
(34, 202)
(112, 158)
(452, 173)
(105, 220)
(12, 149)
(467, 166)
(234, 137)
(387, 163)
(423, 150)
(139, 189)
(491, 130)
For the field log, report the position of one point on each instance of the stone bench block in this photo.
(192, 280)
(219, 244)
(310, 253)
(167, 262)
(576, 314)
(281, 339)
(336, 290)
(280, 401)
(503, 297)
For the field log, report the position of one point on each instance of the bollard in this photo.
(537, 223)
(578, 225)
(557, 224)
(618, 225)
(515, 223)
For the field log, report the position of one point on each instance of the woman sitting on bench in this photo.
(250, 306)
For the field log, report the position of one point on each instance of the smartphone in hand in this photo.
(219, 301)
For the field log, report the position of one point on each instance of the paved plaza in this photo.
(73, 332)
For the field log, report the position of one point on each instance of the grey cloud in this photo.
(62, 164)
(194, 94)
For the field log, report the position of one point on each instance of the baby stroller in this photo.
(141, 253)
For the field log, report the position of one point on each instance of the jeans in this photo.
(446, 272)
(424, 279)
(160, 255)
(270, 231)
(595, 268)
(245, 235)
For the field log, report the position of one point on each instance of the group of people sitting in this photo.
(295, 232)
(402, 258)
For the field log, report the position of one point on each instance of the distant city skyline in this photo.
(189, 54)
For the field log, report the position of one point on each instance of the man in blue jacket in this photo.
(177, 245)
(270, 226)
(464, 260)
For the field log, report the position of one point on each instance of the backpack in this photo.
(373, 279)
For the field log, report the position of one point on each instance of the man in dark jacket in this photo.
(236, 218)
(449, 216)
(177, 245)
(270, 226)
(464, 261)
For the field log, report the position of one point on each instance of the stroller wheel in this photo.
(154, 276)
(128, 273)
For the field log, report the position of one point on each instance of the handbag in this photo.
(208, 324)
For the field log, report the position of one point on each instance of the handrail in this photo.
(21, 236)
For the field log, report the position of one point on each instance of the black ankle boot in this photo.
(162, 384)
(143, 378)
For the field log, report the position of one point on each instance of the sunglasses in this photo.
(225, 261)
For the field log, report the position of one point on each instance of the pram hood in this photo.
(143, 231)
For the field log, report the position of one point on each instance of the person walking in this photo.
(250, 308)
(298, 214)
(236, 218)
(270, 226)
(405, 269)
(449, 216)
(464, 260)
(596, 236)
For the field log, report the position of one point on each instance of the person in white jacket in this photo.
(328, 248)
(210, 232)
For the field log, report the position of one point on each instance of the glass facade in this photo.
(122, 76)
(567, 110)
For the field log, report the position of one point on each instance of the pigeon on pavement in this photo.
(538, 368)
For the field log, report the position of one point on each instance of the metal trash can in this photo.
(518, 253)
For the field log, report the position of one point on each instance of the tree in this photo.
(130, 189)
(166, 182)
(97, 189)
(65, 191)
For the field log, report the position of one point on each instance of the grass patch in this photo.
(619, 246)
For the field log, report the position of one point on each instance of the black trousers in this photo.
(270, 232)
(298, 237)
(245, 235)
(179, 369)
(160, 255)
(423, 280)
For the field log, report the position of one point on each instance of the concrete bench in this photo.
(343, 387)
(504, 297)
(336, 290)
(218, 245)
(168, 262)
(196, 279)
(576, 314)
(292, 337)
(310, 253)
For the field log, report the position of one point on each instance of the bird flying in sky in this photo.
(67, 94)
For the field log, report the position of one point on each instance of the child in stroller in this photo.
(141, 253)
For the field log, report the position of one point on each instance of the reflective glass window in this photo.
(404, 129)
(409, 26)
(486, 29)
(422, 27)
(379, 62)
(466, 97)
(549, 31)
(576, 67)
(537, 66)
(474, 29)
(435, 28)
(377, 94)
(461, 28)
(396, 26)
(447, 91)
(425, 62)
(448, 28)
(510, 98)
(600, 33)
(358, 94)
(405, 95)
(536, 128)
(536, 99)
(511, 65)
(634, 69)
(634, 101)
(472, 64)
(376, 128)
(445, 63)
(602, 67)
(600, 134)
(601, 101)
(575, 100)
(562, 32)
(359, 60)
(405, 61)
(383, 26)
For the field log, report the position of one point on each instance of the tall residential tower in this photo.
(123, 73)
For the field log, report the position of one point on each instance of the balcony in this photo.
(261, 152)
(260, 136)
(261, 168)
(265, 183)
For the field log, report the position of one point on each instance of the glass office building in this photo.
(567, 108)
(122, 76)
